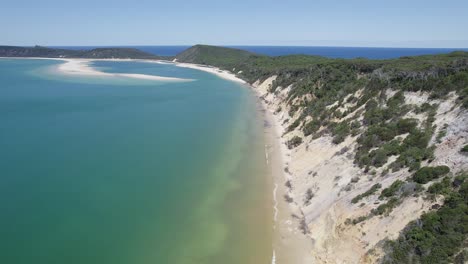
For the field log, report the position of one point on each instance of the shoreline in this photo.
(81, 67)
(213, 70)
(290, 245)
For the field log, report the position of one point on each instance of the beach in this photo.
(289, 243)
(82, 67)
(214, 70)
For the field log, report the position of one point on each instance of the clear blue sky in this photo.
(387, 23)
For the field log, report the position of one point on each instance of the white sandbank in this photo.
(82, 67)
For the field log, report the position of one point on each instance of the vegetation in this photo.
(217, 56)
(288, 198)
(294, 142)
(442, 187)
(464, 149)
(308, 197)
(369, 192)
(387, 207)
(391, 190)
(334, 109)
(99, 53)
(439, 235)
(366, 99)
(427, 174)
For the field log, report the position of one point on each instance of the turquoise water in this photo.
(94, 170)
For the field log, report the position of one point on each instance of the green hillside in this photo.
(99, 53)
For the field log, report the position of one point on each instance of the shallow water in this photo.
(94, 170)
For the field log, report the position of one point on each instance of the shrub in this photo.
(369, 192)
(436, 237)
(464, 149)
(406, 125)
(359, 219)
(288, 184)
(288, 198)
(311, 127)
(340, 132)
(387, 207)
(309, 196)
(293, 125)
(442, 187)
(427, 174)
(294, 142)
(391, 190)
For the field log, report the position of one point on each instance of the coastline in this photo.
(290, 245)
(77, 67)
(82, 67)
(213, 70)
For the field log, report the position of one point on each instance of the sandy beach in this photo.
(82, 67)
(221, 73)
(290, 245)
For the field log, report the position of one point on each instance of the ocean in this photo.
(331, 52)
(98, 171)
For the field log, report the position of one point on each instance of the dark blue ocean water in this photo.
(331, 52)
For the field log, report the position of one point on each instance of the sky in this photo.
(377, 23)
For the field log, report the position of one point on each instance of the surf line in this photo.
(275, 205)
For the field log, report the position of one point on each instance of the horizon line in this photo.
(238, 45)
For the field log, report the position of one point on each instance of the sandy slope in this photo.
(328, 170)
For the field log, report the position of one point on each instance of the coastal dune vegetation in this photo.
(395, 121)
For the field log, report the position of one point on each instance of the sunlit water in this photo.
(103, 170)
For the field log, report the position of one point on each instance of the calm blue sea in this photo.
(95, 170)
(331, 52)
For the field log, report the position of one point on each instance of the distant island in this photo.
(99, 53)
(376, 151)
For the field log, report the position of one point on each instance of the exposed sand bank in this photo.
(82, 67)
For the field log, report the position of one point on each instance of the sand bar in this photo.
(82, 67)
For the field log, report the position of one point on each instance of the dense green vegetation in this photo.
(427, 174)
(442, 187)
(342, 90)
(216, 56)
(438, 236)
(99, 53)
